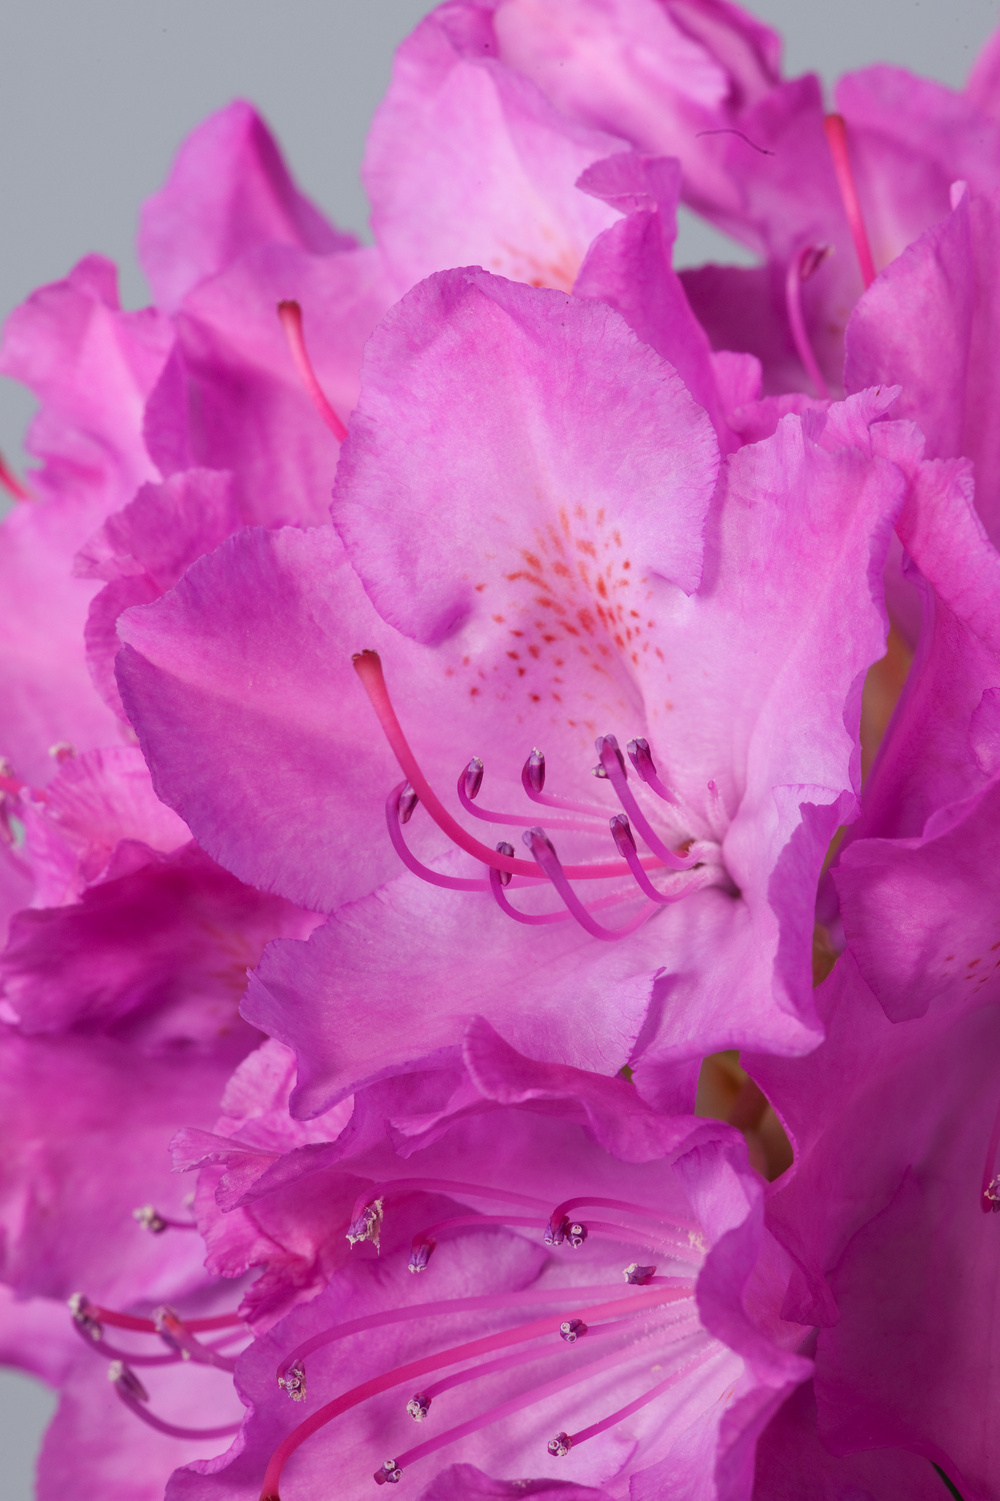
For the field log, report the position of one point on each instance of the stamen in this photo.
(147, 1326)
(836, 136)
(366, 1223)
(291, 321)
(368, 666)
(803, 264)
(565, 1232)
(533, 780)
(84, 1316)
(150, 1219)
(625, 843)
(293, 1381)
(638, 1275)
(174, 1334)
(423, 1244)
(645, 769)
(558, 1217)
(398, 810)
(419, 1405)
(571, 1330)
(566, 1441)
(525, 1399)
(548, 861)
(989, 1197)
(469, 784)
(134, 1395)
(612, 766)
(489, 1302)
(10, 482)
(639, 1302)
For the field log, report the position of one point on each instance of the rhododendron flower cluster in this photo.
(500, 792)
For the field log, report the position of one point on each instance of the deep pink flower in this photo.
(537, 562)
(499, 1179)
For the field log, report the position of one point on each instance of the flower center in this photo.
(693, 865)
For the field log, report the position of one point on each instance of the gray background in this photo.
(95, 95)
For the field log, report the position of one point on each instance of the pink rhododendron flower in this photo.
(431, 718)
(519, 1194)
(541, 575)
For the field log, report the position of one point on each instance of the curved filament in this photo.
(836, 136)
(485, 1345)
(399, 844)
(801, 266)
(368, 666)
(611, 765)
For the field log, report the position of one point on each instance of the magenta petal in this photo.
(468, 354)
(792, 1462)
(228, 192)
(159, 955)
(232, 398)
(468, 163)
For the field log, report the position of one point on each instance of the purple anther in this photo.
(367, 1223)
(293, 1381)
(407, 802)
(621, 831)
(639, 755)
(571, 1330)
(602, 745)
(473, 778)
(127, 1382)
(533, 772)
(638, 1275)
(504, 848)
(85, 1317)
(418, 1407)
(420, 1254)
(565, 1232)
(389, 1474)
(560, 1445)
(645, 768)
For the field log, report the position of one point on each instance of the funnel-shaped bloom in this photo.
(605, 1268)
(527, 496)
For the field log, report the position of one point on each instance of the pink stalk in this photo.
(487, 1301)
(368, 666)
(801, 266)
(291, 321)
(836, 135)
(630, 1407)
(486, 1345)
(10, 482)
